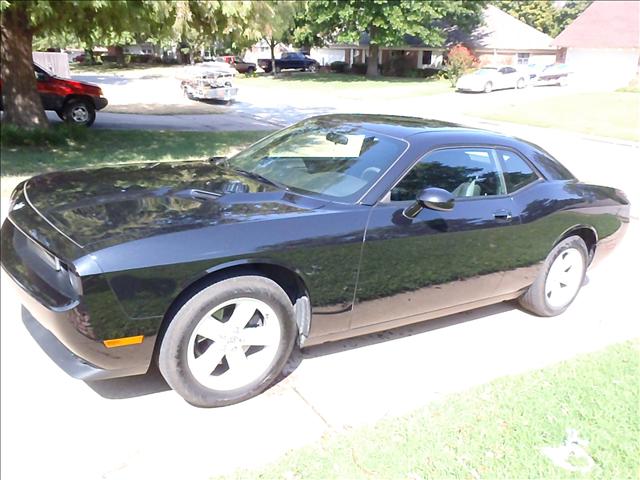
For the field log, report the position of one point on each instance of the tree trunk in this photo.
(20, 98)
(372, 61)
(272, 47)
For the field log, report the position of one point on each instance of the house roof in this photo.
(610, 24)
(501, 31)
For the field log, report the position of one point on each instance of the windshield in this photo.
(321, 157)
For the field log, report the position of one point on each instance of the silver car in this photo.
(487, 79)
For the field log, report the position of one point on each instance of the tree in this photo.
(568, 13)
(387, 22)
(275, 20)
(459, 60)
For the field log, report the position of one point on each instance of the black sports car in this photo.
(337, 226)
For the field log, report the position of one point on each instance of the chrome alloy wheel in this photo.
(80, 114)
(234, 344)
(564, 278)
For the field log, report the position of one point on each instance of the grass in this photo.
(25, 154)
(496, 430)
(347, 86)
(605, 114)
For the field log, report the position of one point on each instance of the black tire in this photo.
(313, 68)
(535, 299)
(250, 70)
(172, 358)
(488, 87)
(79, 111)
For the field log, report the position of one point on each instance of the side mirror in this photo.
(432, 198)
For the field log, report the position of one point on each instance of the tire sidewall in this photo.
(537, 291)
(68, 117)
(172, 358)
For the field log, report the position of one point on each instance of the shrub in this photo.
(459, 60)
(339, 66)
(56, 135)
(359, 68)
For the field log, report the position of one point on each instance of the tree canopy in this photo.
(386, 22)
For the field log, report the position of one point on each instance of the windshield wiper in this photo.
(260, 178)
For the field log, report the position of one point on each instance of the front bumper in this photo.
(68, 326)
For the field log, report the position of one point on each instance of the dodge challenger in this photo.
(337, 226)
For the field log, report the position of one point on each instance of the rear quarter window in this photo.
(517, 172)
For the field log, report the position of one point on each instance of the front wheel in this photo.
(520, 83)
(313, 68)
(228, 342)
(560, 279)
(78, 111)
(488, 87)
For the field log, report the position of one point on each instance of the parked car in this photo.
(338, 226)
(556, 74)
(209, 81)
(238, 63)
(487, 79)
(74, 101)
(290, 61)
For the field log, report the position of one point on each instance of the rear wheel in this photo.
(560, 279)
(228, 342)
(79, 111)
(488, 87)
(313, 68)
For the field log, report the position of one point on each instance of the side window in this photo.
(517, 173)
(465, 172)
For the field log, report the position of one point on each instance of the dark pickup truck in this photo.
(290, 61)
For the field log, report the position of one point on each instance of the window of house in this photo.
(426, 57)
(465, 172)
(517, 173)
(523, 58)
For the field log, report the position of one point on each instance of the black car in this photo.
(290, 61)
(338, 226)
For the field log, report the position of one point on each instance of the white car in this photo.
(487, 79)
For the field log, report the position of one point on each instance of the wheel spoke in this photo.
(210, 328)
(242, 313)
(259, 336)
(237, 359)
(209, 360)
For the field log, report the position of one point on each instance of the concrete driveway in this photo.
(55, 427)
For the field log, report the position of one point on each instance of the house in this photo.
(505, 40)
(602, 45)
(262, 50)
(500, 39)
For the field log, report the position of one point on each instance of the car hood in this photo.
(116, 204)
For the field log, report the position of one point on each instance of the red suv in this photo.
(74, 102)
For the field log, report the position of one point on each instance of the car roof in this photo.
(405, 127)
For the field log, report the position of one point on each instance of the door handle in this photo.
(502, 215)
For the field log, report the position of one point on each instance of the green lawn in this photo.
(100, 147)
(605, 114)
(495, 431)
(347, 86)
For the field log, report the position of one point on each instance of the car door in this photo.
(49, 95)
(437, 260)
(508, 77)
